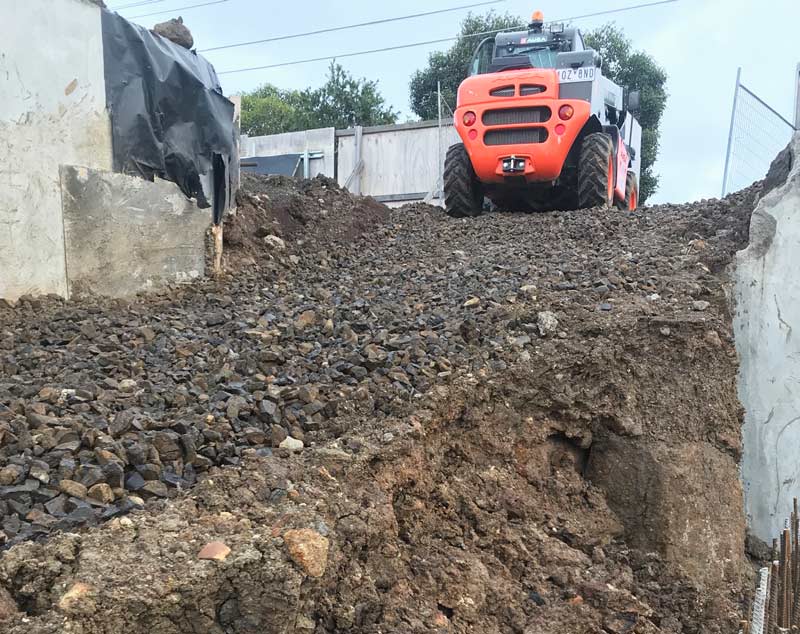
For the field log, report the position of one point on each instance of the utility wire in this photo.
(319, 59)
(191, 6)
(136, 4)
(623, 9)
(428, 42)
(351, 26)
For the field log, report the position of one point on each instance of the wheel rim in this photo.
(634, 201)
(610, 188)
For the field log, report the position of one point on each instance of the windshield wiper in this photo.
(532, 49)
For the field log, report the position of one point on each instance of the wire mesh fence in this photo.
(757, 133)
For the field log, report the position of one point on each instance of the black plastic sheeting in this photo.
(169, 117)
(283, 164)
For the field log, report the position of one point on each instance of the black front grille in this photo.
(526, 90)
(515, 136)
(505, 91)
(510, 116)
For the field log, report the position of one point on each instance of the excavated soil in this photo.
(386, 422)
(296, 210)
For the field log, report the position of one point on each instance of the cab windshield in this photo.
(539, 56)
(540, 53)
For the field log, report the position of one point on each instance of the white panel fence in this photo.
(392, 163)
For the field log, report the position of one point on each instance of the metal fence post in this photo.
(797, 98)
(359, 140)
(440, 166)
(730, 133)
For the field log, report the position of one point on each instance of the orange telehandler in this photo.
(542, 128)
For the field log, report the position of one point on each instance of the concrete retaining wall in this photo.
(767, 327)
(125, 235)
(102, 232)
(52, 111)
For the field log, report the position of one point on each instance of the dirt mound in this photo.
(296, 211)
(503, 424)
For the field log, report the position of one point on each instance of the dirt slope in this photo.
(518, 423)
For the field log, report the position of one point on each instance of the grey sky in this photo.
(699, 42)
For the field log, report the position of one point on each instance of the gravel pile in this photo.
(337, 323)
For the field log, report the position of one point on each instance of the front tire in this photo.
(463, 193)
(596, 172)
(631, 201)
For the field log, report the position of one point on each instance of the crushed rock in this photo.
(459, 470)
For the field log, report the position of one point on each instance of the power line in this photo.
(429, 42)
(191, 6)
(136, 4)
(320, 59)
(610, 11)
(351, 26)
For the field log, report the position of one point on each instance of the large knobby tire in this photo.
(463, 194)
(596, 172)
(631, 201)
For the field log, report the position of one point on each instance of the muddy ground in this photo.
(386, 422)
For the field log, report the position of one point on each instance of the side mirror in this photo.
(634, 101)
(598, 61)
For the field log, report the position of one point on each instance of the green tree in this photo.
(450, 67)
(269, 110)
(342, 102)
(635, 70)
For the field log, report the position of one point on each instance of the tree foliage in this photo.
(342, 102)
(621, 63)
(268, 110)
(635, 70)
(450, 67)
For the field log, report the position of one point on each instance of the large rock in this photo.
(216, 551)
(308, 549)
(75, 489)
(78, 600)
(175, 31)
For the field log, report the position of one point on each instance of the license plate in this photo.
(572, 75)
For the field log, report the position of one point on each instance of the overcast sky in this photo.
(700, 43)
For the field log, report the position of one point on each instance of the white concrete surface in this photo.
(320, 140)
(767, 329)
(236, 170)
(52, 112)
(126, 235)
(398, 160)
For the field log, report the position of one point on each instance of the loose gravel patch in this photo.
(391, 421)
